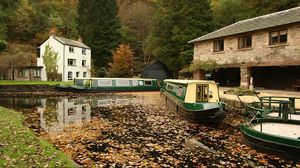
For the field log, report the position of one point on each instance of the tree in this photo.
(260, 7)
(136, 17)
(176, 23)
(6, 9)
(226, 12)
(122, 62)
(98, 26)
(50, 60)
(2, 45)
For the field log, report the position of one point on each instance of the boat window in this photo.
(104, 82)
(202, 93)
(148, 83)
(87, 82)
(170, 87)
(122, 82)
(135, 83)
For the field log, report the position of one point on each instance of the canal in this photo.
(138, 130)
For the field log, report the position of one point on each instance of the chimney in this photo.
(79, 39)
(52, 31)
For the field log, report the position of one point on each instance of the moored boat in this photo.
(196, 100)
(112, 84)
(273, 126)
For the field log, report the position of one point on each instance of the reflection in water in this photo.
(56, 113)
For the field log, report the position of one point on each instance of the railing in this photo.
(285, 106)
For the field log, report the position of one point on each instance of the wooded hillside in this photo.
(155, 29)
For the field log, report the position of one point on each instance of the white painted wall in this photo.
(64, 55)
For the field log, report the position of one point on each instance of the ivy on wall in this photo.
(207, 66)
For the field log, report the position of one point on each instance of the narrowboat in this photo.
(112, 84)
(197, 100)
(272, 125)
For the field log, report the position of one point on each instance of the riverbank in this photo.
(20, 147)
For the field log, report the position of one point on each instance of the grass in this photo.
(20, 147)
(240, 91)
(12, 82)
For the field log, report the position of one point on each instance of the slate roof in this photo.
(71, 42)
(262, 22)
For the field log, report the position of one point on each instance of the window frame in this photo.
(70, 77)
(83, 51)
(217, 47)
(84, 74)
(278, 37)
(22, 73)
(37, 73)
(83, 63)
(71, 49)
(73, 62)
(242, 41)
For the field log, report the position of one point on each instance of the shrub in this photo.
(2, 45)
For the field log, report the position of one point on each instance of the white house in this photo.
(74, 58)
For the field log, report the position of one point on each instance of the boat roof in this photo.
(117, 78)
(189, 81)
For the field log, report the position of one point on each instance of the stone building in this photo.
(29, 73)
(266, 48)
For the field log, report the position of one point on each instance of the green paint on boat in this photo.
(114, 84)
(185, 95)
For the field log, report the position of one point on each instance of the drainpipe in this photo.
(63, 75)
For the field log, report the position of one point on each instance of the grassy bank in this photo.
(19, 147)
(12, 82)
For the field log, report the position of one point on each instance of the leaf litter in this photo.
(151, 135)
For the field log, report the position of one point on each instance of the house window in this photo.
(72, 62)
(22, 73)
(278, 37)
(84, 63)
(71, 49)
(37, 73)
(218, 45)
(71, 111)
(70, 75)
(77, 74)
(245, 41)
(84, 51)
(84, 74)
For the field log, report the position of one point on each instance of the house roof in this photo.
(262, 22)
(154, 62)
(71, 42)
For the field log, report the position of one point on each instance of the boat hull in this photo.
(212, 114)
(288, 148)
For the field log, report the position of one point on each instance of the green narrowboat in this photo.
(112, 84)
(197, 100)
(272, 125)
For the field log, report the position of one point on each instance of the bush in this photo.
(2, 45)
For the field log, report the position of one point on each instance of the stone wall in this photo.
(260, 54)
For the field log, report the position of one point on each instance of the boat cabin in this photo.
(115, 84)
(193, 91)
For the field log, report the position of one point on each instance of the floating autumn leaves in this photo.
(150, 135)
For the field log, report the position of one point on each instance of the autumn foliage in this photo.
(122, 62)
